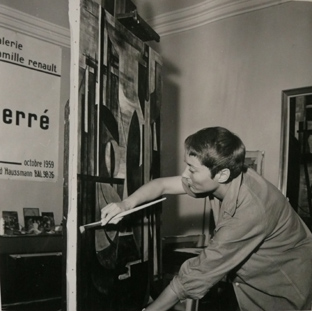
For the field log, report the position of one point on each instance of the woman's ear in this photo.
(223, 176)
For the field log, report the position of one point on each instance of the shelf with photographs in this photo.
(34, 223)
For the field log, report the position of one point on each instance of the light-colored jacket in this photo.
(262, 241)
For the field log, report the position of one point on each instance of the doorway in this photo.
(296, 150)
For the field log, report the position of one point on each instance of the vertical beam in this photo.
(72, 220)
(147, 127)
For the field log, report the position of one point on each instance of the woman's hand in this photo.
(111, 210)
(164, 301)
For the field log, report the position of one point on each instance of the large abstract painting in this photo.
(119, 130)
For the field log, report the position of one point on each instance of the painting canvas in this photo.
(119, 109)
(48, 221)
(33, 224)
(254, 160)
(10, 221)
(31, 211)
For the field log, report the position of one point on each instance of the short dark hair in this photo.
(217, 148)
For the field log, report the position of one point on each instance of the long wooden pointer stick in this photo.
(133, 210)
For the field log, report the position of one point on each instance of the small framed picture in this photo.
(48, 221)
(33, 224)
(10, 222)
(254, 160)
(31, 211)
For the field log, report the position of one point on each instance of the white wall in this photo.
(150, 9)
(231, 73)
(47, 196)
(55, 12)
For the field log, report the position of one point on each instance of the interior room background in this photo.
(221, 68)
(47, 22)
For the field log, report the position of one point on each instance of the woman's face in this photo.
(197, 177)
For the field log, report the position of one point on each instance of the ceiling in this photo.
(173, 16)
(165, 16)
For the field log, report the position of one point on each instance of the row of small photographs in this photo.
(34, 222)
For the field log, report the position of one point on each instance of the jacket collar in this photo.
(230, 200)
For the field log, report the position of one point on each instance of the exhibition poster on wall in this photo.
(30, 75)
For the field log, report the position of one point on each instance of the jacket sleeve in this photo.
(236, 238)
